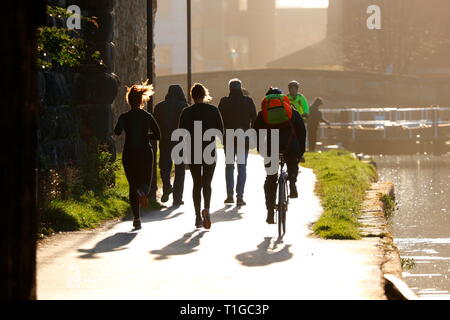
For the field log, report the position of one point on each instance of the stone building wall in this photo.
(76, 103)
(130, 42)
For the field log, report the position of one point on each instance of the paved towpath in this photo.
(239, 258)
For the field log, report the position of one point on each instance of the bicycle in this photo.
(283, 199)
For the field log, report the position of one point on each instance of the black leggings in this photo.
(138, 165)
(202, 181)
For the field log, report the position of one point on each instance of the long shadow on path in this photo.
(160, 215)
(116, 242)
(265, 254)
(226, 214)
(182, 246)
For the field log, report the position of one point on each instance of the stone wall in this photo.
(130, 40)
(338, 88)
(77, 102)
(130, 60)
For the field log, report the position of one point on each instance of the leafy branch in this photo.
(61, 46)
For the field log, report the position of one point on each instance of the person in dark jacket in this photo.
(140, 127)
(292, 144)
(202, 171)
(238, 112)
(167, 113)
(314, 120)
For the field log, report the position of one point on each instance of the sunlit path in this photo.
(239, 258)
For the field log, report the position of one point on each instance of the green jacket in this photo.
(300, 104)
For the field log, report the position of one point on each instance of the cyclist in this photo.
(298, 100)
(299, 103)
(292, 135)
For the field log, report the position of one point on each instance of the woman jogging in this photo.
(202, 173)
(140, 127)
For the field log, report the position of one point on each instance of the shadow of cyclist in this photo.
(266, 254)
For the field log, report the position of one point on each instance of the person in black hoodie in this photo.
(292, 145)
(202, 172)
(140, 127)
(314, 120)
(167, 113)
(238, 112)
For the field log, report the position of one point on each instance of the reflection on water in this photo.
(421, 226)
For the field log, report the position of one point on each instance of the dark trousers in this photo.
(271, 183)
(138, 166)
(165, 168)
(202, 175)
(312, 138)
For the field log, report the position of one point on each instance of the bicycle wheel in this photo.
(286, 204)
(282, 206)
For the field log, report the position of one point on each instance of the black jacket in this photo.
(238, 111)
(292, 136)
(210, 118)
(140, 127)
(168, 112)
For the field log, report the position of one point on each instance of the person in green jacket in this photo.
(298, 100)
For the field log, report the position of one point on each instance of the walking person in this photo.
(202, 172)
(167, 114)
(277, 114)
(140, 127)
(238, 112)
(314, 120)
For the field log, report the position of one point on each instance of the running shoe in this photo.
(270, 217)
(198, 222)
(229, 200)
(206, 219)
(143, 200)
(137, 224)
(240, 202)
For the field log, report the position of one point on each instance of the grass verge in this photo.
(90, 209)
(389, 205)
(342, 184)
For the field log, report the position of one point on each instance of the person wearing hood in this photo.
(314, 120)
(167, 113)
(238, 112)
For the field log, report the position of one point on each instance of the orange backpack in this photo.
(276, 110)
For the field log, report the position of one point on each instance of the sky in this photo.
(303, 3)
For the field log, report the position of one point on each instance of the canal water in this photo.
(421, 226)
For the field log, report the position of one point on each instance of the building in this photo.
(232, 34)
(414, 39)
